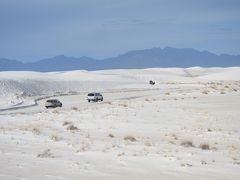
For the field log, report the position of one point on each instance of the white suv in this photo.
(94, 97)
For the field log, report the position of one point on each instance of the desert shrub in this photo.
(222, 92)
(203, 162)
(167, 93)
(75, 109)
(124, 105)
(175, 136)
(204, 146)
(55, 111)
(55, 138)
(187, 143)
(36, 131)
(148, 144)
(46, 154)
(172, 142)
(72, 128)
(205, 92)
(130, 138)
(111, 136)
(66, 123)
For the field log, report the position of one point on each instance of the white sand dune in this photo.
(186, 126)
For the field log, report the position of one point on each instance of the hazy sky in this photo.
(31, 30)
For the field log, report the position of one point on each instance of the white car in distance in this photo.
(94, 97)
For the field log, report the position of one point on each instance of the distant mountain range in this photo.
(148, 58)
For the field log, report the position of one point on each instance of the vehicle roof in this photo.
(52, 100)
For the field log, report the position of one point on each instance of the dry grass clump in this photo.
(55, 138)
(124, 105)
(175, 136)
(111, 136)
(72, 128)
(45, 154)
(148, 143)
(130, 138)
(36, 131)
(187, 143)
(83, 148)
(222, 92)
(186, 165)
(66, 123)
(147, 99)
(167, 93)
(204, 146)
(55, 111)
(75, 108)
(205, 92)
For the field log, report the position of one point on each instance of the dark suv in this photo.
(53, 103)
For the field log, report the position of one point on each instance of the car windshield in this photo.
(51, 100)
(90, 94)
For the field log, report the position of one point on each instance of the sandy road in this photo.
(79, 100)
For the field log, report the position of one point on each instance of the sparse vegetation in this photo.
(111, 136)
(205, 92)
(124, 105)
(45, 154)
(55, 138)
(130, 138)
(167, 93)
(204, 146)
(36, 131)
(148, 144)
(72, 128)
(187, 144)
(75, 108)
(66, 123)
(175, 136)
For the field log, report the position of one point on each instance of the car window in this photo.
(90, 94)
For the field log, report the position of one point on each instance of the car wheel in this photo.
(89, 101)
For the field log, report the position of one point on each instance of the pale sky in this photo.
(31, 30)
